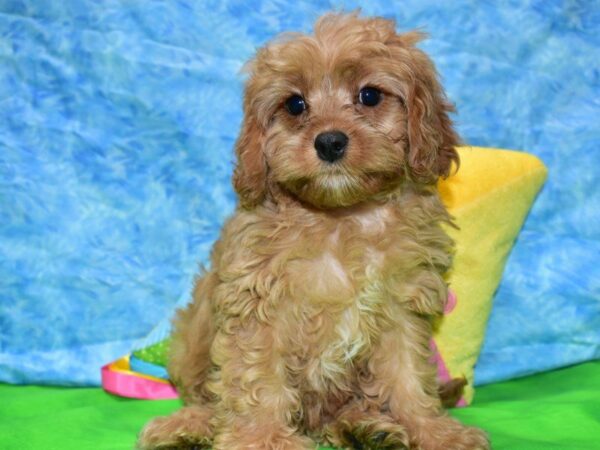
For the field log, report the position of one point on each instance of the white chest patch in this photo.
(333, 269)
(373, 221)
(352, 335)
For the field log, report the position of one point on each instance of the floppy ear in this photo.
(431, 135)
(250, 174)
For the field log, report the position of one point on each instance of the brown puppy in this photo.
(313, 323)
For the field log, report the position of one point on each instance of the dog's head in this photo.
(342, 116)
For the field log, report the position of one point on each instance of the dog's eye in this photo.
(295, 105)
(369, 96)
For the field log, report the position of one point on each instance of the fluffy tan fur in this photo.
(314, 320)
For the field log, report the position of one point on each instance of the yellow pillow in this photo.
(489, 197)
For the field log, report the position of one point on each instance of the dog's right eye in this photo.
(295, 105)
(369, 96)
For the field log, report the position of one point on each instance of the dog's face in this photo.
(343, 116)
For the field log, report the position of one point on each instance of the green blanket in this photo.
(558, 410)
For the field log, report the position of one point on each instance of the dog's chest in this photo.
(343, 338)
(335, 266)
(341, 291)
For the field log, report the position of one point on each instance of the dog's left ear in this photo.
(431, 135)
(250, 174)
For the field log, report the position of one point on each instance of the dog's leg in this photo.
(189, 362)
(256, 407)
(361, 425)
(193, 332)
(405, 382)
(186, 429)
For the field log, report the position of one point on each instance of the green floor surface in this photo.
(553, 411)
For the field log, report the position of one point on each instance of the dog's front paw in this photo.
(372, 435)
(158, 435)
(186, 429)
(261, 440)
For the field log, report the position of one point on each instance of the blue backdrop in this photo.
(117, 121)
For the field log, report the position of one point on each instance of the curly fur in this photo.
(313, 322)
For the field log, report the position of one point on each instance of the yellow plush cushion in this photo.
(489, 196)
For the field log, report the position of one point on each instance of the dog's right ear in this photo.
(250, 174)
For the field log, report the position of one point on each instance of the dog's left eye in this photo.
(295, 105)
(369, 96)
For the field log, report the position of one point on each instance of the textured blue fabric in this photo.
(117, 122)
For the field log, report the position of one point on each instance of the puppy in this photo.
(313, 323)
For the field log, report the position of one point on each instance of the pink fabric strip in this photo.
(451, 302)
(133, 386)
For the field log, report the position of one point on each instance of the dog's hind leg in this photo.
(189, 363)
(186, 429)
(193, 333)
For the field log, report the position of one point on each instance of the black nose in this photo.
(331, 145)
